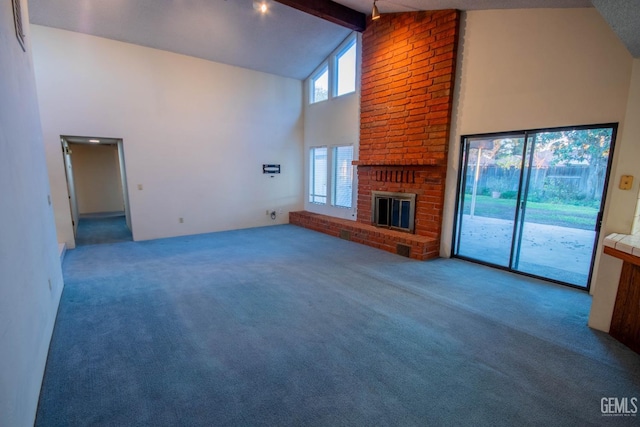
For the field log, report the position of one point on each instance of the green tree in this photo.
(508, 152)
(589, 147)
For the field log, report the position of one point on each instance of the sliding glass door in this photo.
(531, 201)
(489, 208)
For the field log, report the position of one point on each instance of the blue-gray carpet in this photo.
(285, 326)
(98, 229)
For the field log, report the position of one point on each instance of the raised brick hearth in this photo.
(398, 242)
(408, 72)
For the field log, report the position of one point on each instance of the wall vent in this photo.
(400, 176)
(345, 234)
(403, 250)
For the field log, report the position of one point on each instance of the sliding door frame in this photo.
(522, 193)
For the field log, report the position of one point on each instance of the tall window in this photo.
(320, 85)
(346, 69)
(339, 177)
(337, 74)
(342, 177)
(318, 175)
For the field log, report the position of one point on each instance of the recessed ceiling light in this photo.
(95, 141)
(260, 6)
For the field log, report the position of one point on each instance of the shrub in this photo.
(509, 194)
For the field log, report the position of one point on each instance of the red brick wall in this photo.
(428, 184)
(408, 72)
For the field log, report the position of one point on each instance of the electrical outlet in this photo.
(267, 212)
(181, 220)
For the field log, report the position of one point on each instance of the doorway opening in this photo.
(532, 201)
(98, 197)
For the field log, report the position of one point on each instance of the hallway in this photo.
(94, 229)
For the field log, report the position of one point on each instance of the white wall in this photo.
(622, 205)
(527, 69)
(335, 121)
(522, 69)
(631, 132)
(28, 249)
(96, 173)
(195, 133)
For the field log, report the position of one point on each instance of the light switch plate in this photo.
(626, 182)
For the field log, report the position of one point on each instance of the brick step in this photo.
(397, 242)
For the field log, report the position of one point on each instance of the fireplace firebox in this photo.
(393, 210)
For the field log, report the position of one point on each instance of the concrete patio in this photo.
(554, 252)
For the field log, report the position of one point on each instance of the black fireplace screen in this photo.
(393, 210)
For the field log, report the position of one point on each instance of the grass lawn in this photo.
(581, 217)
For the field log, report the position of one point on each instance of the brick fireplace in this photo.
(408, 72)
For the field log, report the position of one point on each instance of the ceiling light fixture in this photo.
(375, 13)
(260, 6)
(94, 141)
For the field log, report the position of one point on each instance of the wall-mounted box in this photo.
(626, 182)
(270, 169)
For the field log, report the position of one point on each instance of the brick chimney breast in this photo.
(408, 73)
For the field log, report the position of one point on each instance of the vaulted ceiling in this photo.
(284, 41)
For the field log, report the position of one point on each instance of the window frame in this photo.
(312, 176)
(331, 63)
(350, 42)
(334, 175)
(324, 67)
(331, 177)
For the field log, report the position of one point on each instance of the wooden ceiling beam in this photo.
(330, 11)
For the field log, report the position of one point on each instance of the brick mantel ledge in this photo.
(420, 247)
(400, 162)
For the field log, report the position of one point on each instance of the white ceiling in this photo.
(285, 41)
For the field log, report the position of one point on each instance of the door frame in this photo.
(68, 163)
(71, 185)
(461, 183)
